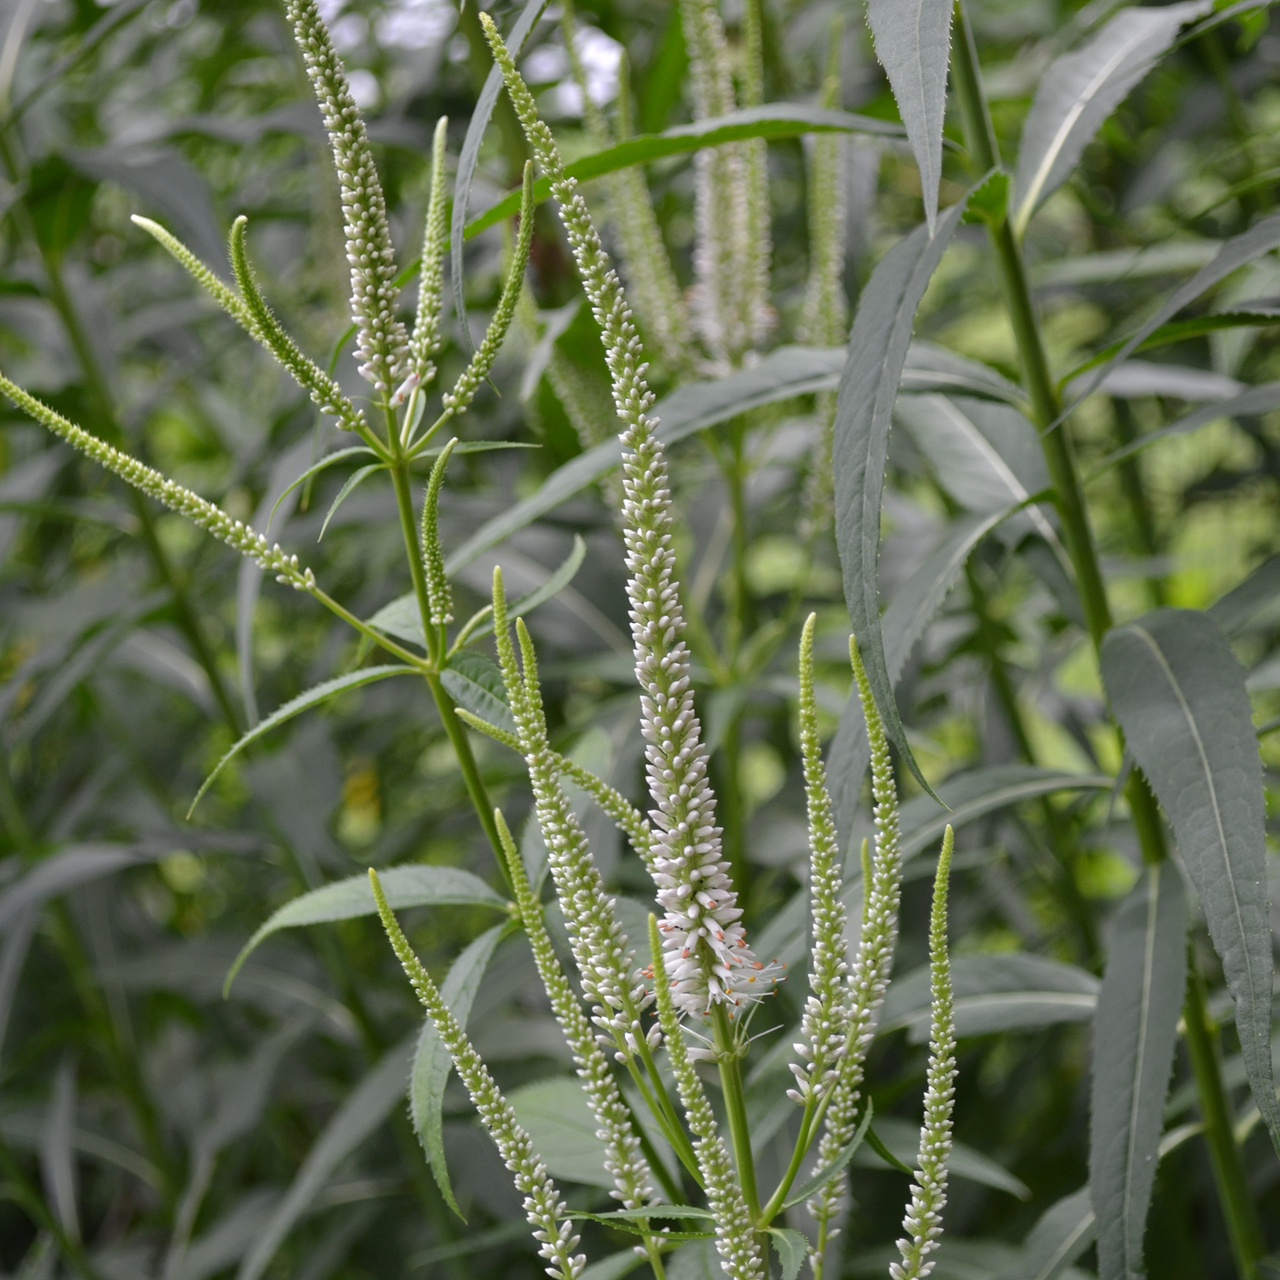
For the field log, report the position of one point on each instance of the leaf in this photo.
(352, 481)
(1169, 257)
(1062, 1234)
(875, 1143)
(431, 1060)
(878, 346)
(470, 155)
(556, 1116)
(324, 463)
(296, 706)
(1133, 378)
(364, 1110)
(1135, 1031)
(416, 885)
(57, 873)
(474, 682)
(933, 368)
(554, 584)
(1081, 89)
(902, 1138)
(649, 1211)
(57, 1161)
(1001, 992)
(1234, 253)
(827, 1172)
(1258, 399)
(614, 1267)
(1179, 695)
(913, 43)
(1243, 603)
(770, 120)
(792, 1249)
(904, 622)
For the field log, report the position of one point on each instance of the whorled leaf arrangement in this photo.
(695, 996)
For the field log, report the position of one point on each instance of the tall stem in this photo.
(735, 1106)
(1078, 536)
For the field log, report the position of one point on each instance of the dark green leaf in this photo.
(1081, 89)
(864, 410)
(1135, 1031)
(412, 886)
(557, 1118)
(296, 706)
(827, 1172)
(898, 1145)
(1179, 695)
(792, 1249)
(431, 1060)
(613, 1268)
(913, 43)
(474, 682)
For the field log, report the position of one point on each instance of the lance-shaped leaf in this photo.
(296, 706)
(431, 1060)
(411, 886)
(878, 346)
(475, 683)
(792, 1249)
(1237, 609)
(1179, 695)
(1134, 1033)
(1081, 89)
(363, 1111)
(1063, 1233)
(913, 43)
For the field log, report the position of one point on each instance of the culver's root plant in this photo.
(714, 969)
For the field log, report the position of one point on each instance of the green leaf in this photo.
(431, 1060)
(989, 200)
(1169, 257)
(878, 346)
(469, 157)
(352, 481)
(913, 43)
(901, 1140)
(315, 470)
(770, 120)
(557, 1118)
(1081, 89)
(296, 706)
(1135, 1032)
(1134, 378)
(933, 368)
(904, 622)
(364, 1110)
(1179, 695)
(402, 618)
(1061, 1235)
(614, 1267)
(1234, 253)
(416, 885)
(540, 595)
(1256, 400)
(875, 1143)
(1001, 992)
(792, 1249)
(1243, 603)
(474, 682)
(827, 1172)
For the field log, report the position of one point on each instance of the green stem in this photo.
(664, 1110)
(808, 1128)
(1224, 1153)
(735, 1105)
(1135, 494)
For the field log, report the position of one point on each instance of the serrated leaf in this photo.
(913, 43)
(827, 1172)
(1135, 1031)
(412, 886)
(432, 1063)
(1233, 254)
(474, 682)
(878, 346)
(1081, 89)
(557, 1118)
(296, 706)
(792, 1249)
(365, 1108)
(1179, 695)
(1256, 400)
(1001, 992)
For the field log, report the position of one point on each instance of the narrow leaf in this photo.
(900, 1139)
(314, 470)
(352, 481)
(930, 367)
(1243, 603)
(1179, 695)
(613, 1267)
(827, 1172)
(1134, 378)
(431, 1060)
(296, 706)
(864, 410)
(792, 1249)
(1135, 1031)
(363, 1111)
(1063, 1233)
(1081, 89)
(411, 886)
(540, 595)
(913, 43)
(475, 683)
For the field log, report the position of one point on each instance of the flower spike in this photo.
(438, 595)
(923, 1220)
(425, 341)
(381, 340)
(542, 1205)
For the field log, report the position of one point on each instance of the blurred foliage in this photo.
(151, 1128)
